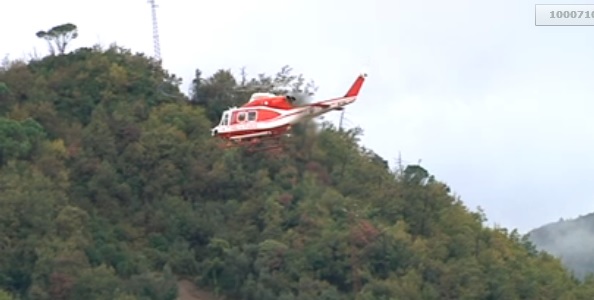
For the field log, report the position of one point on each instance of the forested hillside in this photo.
(112, 188)
(570, 240)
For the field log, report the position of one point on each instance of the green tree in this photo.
(4, 295)
(3, 88)
(59, 36)
(19, 139)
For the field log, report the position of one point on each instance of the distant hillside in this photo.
(570, 240)
(111, 187)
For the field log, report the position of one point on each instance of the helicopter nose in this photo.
(214, 132)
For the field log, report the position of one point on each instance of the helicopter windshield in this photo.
(225, 119)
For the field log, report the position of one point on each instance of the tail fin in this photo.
(356, 87)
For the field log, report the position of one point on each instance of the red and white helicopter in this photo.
(269, 116)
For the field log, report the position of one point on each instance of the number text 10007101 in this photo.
(571, 14)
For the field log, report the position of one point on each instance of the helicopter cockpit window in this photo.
(241, 117)
(252, 116)
(225, 120)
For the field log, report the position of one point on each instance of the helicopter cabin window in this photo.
(241, 117)
(252, 116)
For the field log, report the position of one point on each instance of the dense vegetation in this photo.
(570, 240)
(112, 188)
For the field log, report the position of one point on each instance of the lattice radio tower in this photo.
(156, 44)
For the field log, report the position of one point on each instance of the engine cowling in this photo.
(280, 102)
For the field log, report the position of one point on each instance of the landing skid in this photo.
(270, 144)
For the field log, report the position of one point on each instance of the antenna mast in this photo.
(340, 122)
(156, 44)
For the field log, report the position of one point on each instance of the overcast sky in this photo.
(493, 105)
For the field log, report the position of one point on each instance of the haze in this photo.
(493, 105)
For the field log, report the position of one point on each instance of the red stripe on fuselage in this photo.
(275, 131)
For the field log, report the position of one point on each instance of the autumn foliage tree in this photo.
(112, 188)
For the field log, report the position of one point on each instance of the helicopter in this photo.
(268, 117)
